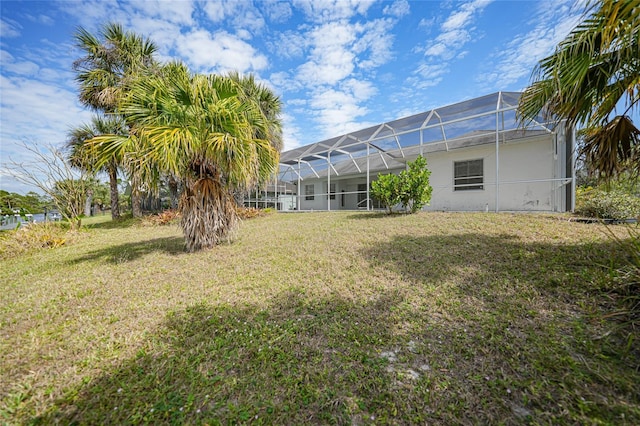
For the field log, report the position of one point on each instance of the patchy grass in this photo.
(347, 318)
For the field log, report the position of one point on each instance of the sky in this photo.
(337, 65)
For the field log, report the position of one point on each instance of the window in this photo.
(362, 195)
(308, 192)
(332, 191)
(468, 175)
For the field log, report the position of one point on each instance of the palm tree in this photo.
(269, 105)
(207, 131)
(594, 71)
(111, 62)
(83, 157)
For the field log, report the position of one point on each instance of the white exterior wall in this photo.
(532, 159)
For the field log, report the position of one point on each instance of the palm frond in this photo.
(611, 148)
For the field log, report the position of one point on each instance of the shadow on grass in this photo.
(294, 361)
(487, 259)
(480, 354)
(534, 311)
(369, 215)
(124, 222)
(127, 252)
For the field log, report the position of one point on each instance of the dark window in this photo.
(362, 195)
(468, 175)
(332, 191)
(308, 192)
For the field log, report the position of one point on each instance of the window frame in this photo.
(309, 195)
(468, 182)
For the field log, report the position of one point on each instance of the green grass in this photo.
(320, 318)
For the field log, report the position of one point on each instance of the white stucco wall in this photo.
(532, 159)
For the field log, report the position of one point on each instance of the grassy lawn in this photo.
(319, 318)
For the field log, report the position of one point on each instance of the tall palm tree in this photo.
(208, 132)
(83, 157)
(111, 62)
(269, 105)
(594, 72)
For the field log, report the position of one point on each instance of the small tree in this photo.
(411, 188)
(415, 191)
(385, 189)
(52, 173)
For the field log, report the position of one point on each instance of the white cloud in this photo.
(277, 11)
(359, 89)
(436, 49)
(291, 133)
(330, 59)
(337, 109)
(41, 19)
(179, 12)
(456, 30)
(398, 8)
(9, 28)
(288, 44)
(241, 13)
(91, 14)
(374, 37)
(515, 62)
(283, 82)
(322, 11)
(25, 68)
(33, 110)
(219, 52)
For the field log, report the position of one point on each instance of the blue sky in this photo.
(338, 65)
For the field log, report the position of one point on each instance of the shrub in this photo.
(411, 188)
(386, 189)
(33, 236)
(615, 204)
(249, 212)
(164, 218)
(415, 191)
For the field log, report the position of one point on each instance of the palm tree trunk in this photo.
(136, 195)
(136, 202)
(113, 185)
(208, 214)
(173, 191)
(87, 203)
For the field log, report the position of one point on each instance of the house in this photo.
(480, 159)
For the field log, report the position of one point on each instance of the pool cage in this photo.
(336, 173)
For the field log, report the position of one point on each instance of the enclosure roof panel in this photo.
(396, 159)
(392, 131)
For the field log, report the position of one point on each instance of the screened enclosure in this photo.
(479, 156)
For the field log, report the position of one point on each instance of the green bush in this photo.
(411, 188)
(386, 189)
(415, 191)
(615, 204)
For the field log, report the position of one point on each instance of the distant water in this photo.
(12, 222)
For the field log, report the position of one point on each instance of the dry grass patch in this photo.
(348, 318)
